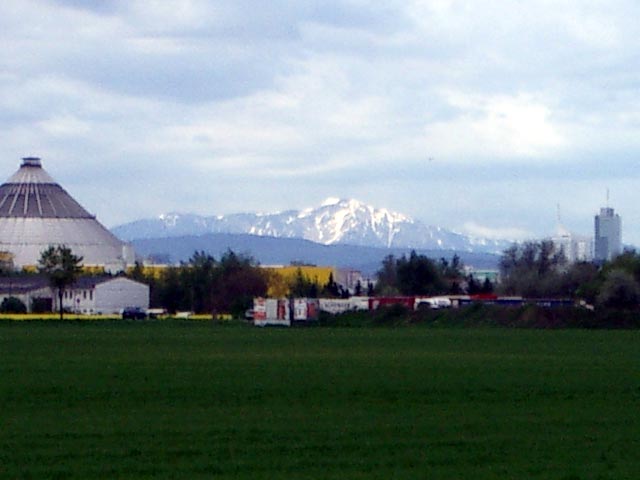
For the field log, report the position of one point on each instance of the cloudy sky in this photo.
(477, 116)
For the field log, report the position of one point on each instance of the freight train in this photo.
(267, 311)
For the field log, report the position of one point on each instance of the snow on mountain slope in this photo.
(335, 221)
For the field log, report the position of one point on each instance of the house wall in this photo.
(80, 300)
(27, 297)
(114, 295)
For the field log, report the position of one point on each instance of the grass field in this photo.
(186, 399)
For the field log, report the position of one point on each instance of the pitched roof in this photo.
(27, 283)
(22, 284)
(85, 283)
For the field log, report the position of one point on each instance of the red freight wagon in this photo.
(377, 302)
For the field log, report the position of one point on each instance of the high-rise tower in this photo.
(608, 235)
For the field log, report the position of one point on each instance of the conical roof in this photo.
(36, 212)
(31, 192)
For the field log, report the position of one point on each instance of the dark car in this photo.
(134, 313)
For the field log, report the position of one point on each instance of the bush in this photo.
(619, 290)
(41, 305)
(12, 305)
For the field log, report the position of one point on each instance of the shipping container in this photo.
(377, 302)
(271, 311)
(433, 303)
(359, 303)
(305, 309)
(335, 306)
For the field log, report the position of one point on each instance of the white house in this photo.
(86, 295)
(105, 295)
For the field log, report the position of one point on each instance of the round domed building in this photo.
(36, 212)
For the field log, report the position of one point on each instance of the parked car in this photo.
(134, 313)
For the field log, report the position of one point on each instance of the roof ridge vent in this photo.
(31, 162)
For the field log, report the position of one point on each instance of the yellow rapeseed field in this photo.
(75, 317)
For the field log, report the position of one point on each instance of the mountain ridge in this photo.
(284, 251)
(335, 221)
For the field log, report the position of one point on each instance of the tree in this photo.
(452, 269)
(473, 287)
(418, 275)
(331, 288)
(137, 273)
(581, 280)
(62, 268)
(532, 269)
(278, 284)
(415, 275)
(171, 292)
(200, 274)
(301, 286)
(487, 286)
(387, 283)
(628, 261)
(619, 290)
(238, 282)
(12, 305)
(370, 289)
(452, 274)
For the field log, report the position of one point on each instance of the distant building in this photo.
(33, 291)
(481, 275)
(576, 248)
(105, 295)
(91, 295)
(608, 235)
(349, 279)
(280, 277)
(36, 212)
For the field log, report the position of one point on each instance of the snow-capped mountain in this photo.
(335, 221)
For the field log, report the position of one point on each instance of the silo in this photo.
(36, 212)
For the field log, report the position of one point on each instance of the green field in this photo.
(191, 399)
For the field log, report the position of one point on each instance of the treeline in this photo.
(532, 270)
(486, 315)
(420, 275)
(206, 285)
(228, 285)
(538, 269)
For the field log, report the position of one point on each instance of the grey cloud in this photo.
(327, 98)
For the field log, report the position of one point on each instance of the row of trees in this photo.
(420, 275)
(204, 284)
(538, 269)
(531, 269)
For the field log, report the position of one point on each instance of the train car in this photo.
(377, 302)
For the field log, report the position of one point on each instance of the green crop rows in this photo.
(189, 399)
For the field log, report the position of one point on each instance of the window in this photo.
(84, 295)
